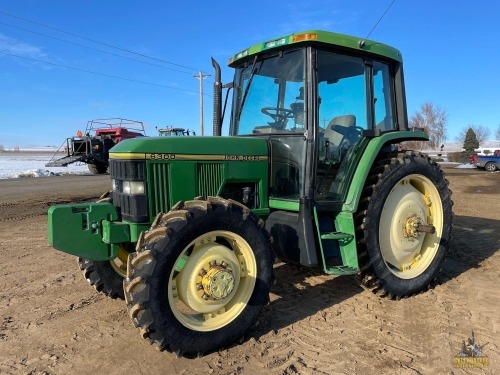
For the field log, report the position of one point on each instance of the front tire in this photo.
(106, 276)
(406, 198)
(200, 276)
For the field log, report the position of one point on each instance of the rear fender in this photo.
(368, 158)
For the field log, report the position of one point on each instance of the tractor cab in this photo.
(318, 104)
(174, 132)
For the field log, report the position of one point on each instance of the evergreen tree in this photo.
(471, 142)
(470, 145)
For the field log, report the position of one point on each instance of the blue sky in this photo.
(450, 52)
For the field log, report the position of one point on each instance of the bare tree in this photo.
(482, 133)
(497, 133)
(432, 119)
(2, 148)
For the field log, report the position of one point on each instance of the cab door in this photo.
(354, 104)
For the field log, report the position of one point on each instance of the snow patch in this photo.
(466, 166)
(27, 166)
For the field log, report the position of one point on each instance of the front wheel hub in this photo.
(218, 282)
(210, 278)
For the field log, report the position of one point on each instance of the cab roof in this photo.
(321, 37)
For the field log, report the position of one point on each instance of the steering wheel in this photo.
(279, 116)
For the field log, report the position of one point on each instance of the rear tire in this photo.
(200, 276)
(402, 193)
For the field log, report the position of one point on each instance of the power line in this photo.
(91, 48)
(96, 41)
(362, 42)
(100, 74)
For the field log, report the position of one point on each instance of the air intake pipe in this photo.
(217, 99)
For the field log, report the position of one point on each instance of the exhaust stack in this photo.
(217, 99)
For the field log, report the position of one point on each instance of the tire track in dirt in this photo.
(25, 198)
(24, 209)
(302, 321)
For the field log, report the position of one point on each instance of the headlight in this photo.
(133, 187)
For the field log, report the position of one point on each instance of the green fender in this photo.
(344, 221)
(366, 162)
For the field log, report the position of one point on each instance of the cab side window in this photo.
(383, 97)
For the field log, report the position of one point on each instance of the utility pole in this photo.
(201, 77)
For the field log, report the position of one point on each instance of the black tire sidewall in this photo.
(390, 283)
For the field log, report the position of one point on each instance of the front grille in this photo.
(159, 194)
(127, 170)
(209, 181)
(136, 208)
(133, 208)
(210, 178)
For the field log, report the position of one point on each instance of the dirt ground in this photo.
(53, 322)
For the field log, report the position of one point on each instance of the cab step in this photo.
(333, 245)
(341, 270)
(335, 236)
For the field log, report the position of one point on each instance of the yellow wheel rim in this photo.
(119, 264)
(408, 252)
(212, 281)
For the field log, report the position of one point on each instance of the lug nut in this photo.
(202, 272)
(205, 296)
(199, 286)
(223, 264)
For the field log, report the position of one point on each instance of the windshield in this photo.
(271, 98)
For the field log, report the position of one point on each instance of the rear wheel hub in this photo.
(411, 225)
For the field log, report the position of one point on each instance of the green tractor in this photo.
(312, 173)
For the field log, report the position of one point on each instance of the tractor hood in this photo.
(167, 170)
(192, 148)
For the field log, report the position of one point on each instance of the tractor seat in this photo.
(335, 137)
(298, 112)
